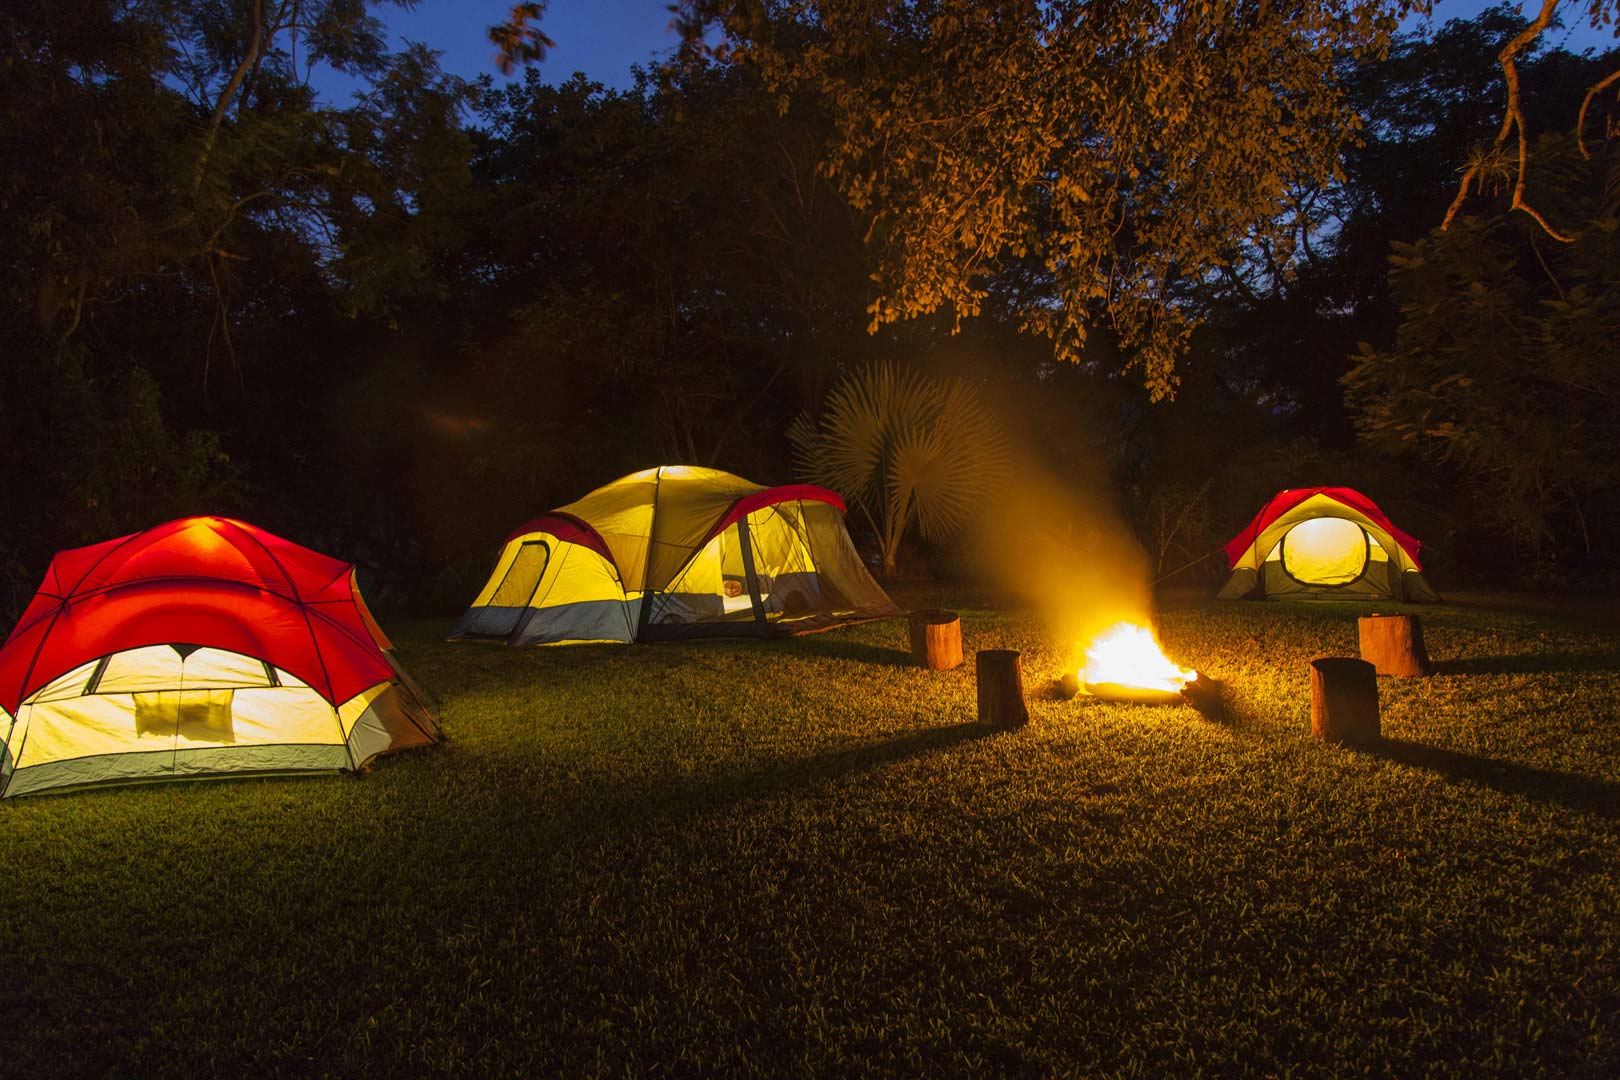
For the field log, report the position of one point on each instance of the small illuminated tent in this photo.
(672, 552)
(1330, 543)
(201, 647)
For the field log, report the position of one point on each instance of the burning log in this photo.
(1204, 695)
(1001, 688)
(1131, 694)
(1344, 700)
(936, 639)
(1394, 645)
(1126, 664)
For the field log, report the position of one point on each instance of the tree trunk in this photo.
(1344, 700)
(1394, 644)
(1001, 689)
(936, 639)
(250, 60)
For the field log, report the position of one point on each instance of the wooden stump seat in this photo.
(1344, 700)
(1394, 644)
(936, 639)
(1001, 688)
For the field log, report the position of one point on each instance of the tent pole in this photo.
(1189, 566)
(745, 542)
(644, 616)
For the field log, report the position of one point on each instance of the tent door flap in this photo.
(509, 603)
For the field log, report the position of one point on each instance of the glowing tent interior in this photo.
(677, 551)
(1325, 543)
(201, 647)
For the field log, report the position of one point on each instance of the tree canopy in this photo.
(1085, 163)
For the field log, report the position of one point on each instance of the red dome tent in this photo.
(1324, 543)
(202, 646)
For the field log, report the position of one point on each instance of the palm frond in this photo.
(907, 447)
(808, 447)
(952, 466)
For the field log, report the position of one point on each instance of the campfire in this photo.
(1125, 663)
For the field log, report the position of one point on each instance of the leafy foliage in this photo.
(1267, 362)
(1116, 152)
(1496, 166)
(519, 40)
(175, 205)
(1506, 364)
(909, 448)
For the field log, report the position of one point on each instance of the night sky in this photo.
(603, 38)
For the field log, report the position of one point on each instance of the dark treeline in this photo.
(393, 328)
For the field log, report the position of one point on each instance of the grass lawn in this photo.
(804, 857)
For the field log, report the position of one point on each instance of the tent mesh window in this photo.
(712, 586)
(788, 582)
(521, 581)
(509, 604)
(773, 557)
(1325, 552)
(195, 715)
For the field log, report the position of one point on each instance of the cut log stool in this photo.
(1344, 700)
(936, 639)
(1001, 688)
(1394, 644)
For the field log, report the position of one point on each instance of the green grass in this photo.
(804, 857)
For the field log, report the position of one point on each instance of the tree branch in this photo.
(1547, 269)
(1580, 121)
(227, 95)
(277, 25)
(1513, 119)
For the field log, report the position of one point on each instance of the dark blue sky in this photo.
(603, 38)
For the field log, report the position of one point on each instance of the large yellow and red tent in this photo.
(677, 551)
(1325, 543)
(204, 646)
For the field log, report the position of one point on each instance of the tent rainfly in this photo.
(674, 552)
(1327, 543)
(203, 647)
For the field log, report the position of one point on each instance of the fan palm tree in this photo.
(907, 448)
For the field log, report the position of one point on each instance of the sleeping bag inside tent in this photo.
(1324, 543)
(203, 647)
(677, 551)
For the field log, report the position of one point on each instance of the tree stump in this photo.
(936, 639)
(1001, 688)
(1394, 644)
(1344, 700)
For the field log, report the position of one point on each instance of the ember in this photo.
(1126, 664)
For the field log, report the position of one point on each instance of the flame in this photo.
(1128, 655)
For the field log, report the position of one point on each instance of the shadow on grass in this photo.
(841, 649)
(838, 763)
(1583, 793)
(675, 653)
(679, 800)
(1528, 664)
